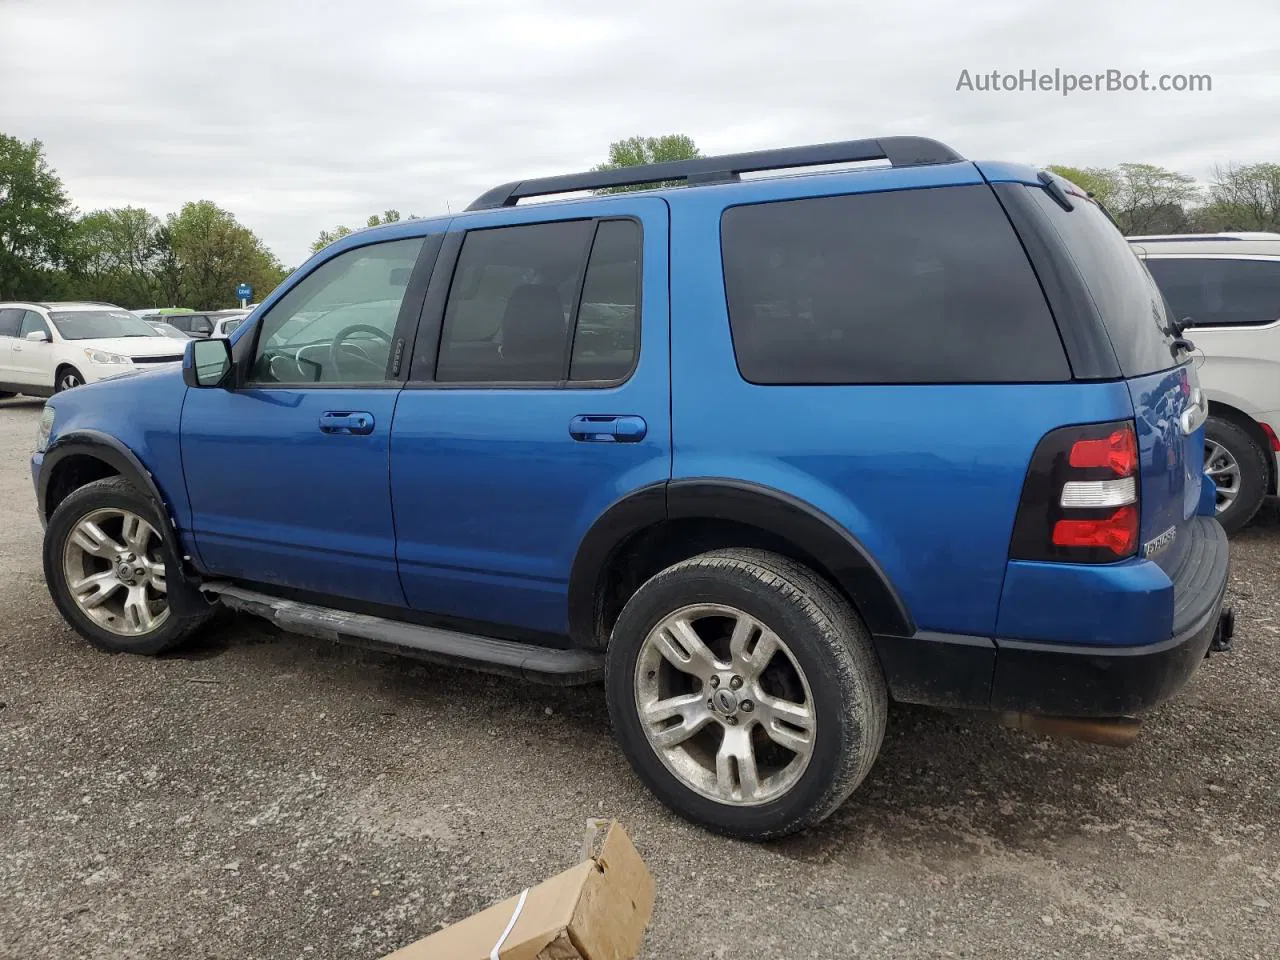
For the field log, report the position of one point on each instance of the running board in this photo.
(523, 660)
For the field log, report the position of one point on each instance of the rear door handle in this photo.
(595, 428)
(358, 422)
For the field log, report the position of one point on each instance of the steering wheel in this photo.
(353, 351)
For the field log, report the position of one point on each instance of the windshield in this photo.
(168, 330)
(95, 324)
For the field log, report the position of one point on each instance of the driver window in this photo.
(32, 322)
(337, 325)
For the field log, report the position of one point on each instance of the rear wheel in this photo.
(1237, 464)
(113, 576)
(744, 691)
(67, 378)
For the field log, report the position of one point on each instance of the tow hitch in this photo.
(1221, 642)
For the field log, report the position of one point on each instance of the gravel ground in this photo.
(267, 796)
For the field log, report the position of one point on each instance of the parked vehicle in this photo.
(1225, 289)
(226, 321)
(168, 330)
(192, 324)
(47, 347)
(761, 454)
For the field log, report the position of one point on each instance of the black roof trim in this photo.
(899, 151)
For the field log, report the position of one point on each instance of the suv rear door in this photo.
(539, 395)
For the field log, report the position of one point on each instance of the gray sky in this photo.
(301, 114)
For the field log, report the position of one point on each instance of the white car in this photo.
(48, 347)
(1225, 289)
(224, 325)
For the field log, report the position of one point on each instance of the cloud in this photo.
(301, 115)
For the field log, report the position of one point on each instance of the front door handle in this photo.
(596, 428)
(357, 422)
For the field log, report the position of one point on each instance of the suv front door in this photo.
(33, 360)
(287, 469)
(539, 396)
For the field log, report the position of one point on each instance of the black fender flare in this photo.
(104, 447)
(812, 532)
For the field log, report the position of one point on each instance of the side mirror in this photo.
(206, 363)
(38, 336)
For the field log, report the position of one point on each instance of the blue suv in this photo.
(761, 453)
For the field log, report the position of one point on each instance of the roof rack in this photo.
(899, 151)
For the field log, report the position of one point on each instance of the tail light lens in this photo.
(1080, 497)
(1271, 435)
(1118, 452)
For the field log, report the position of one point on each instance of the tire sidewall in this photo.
(1254, 472)
(836, 725)
(78, 504)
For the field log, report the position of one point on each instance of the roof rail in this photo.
(1179, 237)
(899, 151)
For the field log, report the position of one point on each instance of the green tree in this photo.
(637, 151)
(337, 233)
(36, 220)
(114, 256)
(214, 253)
(1243, 198)
(1099, 182)
(1151, 199)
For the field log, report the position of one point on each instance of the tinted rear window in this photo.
(911, 286)
(1220, 293)
(1126, 297)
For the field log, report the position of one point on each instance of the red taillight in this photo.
(1271, 435)
(1118, 451)
(1117, 533)
(1081, 499)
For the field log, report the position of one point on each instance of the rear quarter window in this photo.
(910, 286)
(1123, 292)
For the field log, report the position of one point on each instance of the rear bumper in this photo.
(1070, 680)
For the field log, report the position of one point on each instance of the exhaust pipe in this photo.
(1108, 731)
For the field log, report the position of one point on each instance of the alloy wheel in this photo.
(1225, 471)
(725, 705)
(115, 574)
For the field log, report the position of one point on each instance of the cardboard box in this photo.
(595, 911)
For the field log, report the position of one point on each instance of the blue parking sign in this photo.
(244, 292)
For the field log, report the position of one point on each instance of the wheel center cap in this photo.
(124, 572)
(726, 701)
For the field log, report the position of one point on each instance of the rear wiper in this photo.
(1054, 189)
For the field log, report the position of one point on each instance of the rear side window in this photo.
(1122, 290)
(510, 316)
(1219, 293)
(10, 320)
(911, 286)
(604, 342)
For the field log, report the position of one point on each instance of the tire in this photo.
(825, 666)
(108, 617)
(1238, 465)
(67, 378)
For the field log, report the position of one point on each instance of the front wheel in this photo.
(1238, 467)
(68, 377)
(111, 574)
(744, 691)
